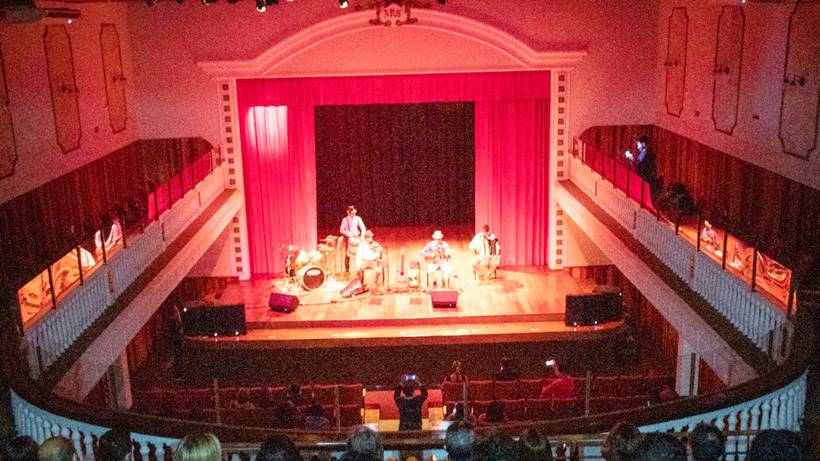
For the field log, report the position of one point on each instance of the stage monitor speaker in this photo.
(282, 302)
(593, 309)
(211, 320)
(444, 298)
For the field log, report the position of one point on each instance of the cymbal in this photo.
(329, 239)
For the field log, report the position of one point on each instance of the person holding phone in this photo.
(409, 404)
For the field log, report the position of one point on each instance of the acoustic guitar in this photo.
(402, 280)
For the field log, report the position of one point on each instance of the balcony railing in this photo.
(55, 331)
(754, 315)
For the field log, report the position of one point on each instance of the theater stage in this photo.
(519, 304)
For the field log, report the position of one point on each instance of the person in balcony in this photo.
(115, 445)
(707, 443)
(59, 449)
(316, 419)
(660, 446)
(533, 445)
(21, 448)
(278, 448)
(198, 447)
(557, 385)
(643, 160)
(460, 440)
(296, 396)
(243, 401)
(621, 442)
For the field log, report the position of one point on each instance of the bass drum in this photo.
(311, 277)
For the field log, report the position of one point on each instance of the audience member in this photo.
(776, 445)
(621, 442)
(534, 446)
(365, 441)
(57, 449)
(198, 447)
(115, 445)
(278, 448)
(455, 375)
(506, 371)
(459, 441)
(296, 396)
(707, 443)
(497, 446)
(410, 405)
(660, 446)
(285, 415)
(316, 419)
(243, 401)
(557, 385)
(21, 448)
(458, 414)
(493, 415)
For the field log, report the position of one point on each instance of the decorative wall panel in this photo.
(728, 65)
(63, 87)
(114, 77)
(801, 82)
(8, 146)
(677, 39)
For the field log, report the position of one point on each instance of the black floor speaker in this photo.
(444, 298)
(593, 309)
(283, 302)
(213, 320)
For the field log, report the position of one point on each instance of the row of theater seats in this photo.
(349, 415)
(601, 386)
(183, 400)
(546, 409)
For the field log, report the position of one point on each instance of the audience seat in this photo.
(515, 410)
(350, 394)
(506, 390)
(322, 394)
(277, 393)
(530, 388)
(481, 390)
(350, 415)
(451, 392)
(539, 410)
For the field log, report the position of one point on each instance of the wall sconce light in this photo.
(671, 63)
(794, 79)
(722, 69)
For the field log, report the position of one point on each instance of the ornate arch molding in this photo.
(510, 51)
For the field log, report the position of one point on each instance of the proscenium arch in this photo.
(350, 45)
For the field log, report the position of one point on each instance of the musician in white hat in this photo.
(368, 258)
(437, 255)
(353, 229)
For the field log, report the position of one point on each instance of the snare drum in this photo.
(311, 277)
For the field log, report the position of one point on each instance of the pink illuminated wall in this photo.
(39, 157)
(755, 138)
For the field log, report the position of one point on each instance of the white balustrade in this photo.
(211, 186)
(40, 424)
(617, 204)
(780, 409)
(51, 335)
(128, 263)
(175, 220)
(673, 250)
(583, 176)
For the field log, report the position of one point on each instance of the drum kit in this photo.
(311, 270)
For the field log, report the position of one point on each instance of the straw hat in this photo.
(437, 235)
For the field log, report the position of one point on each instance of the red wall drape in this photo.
(523, 243)
(511, 176)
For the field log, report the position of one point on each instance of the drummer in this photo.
(353, 229)
(296, 259)
(368, 257)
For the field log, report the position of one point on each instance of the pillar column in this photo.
(686, 373)
(119, 383)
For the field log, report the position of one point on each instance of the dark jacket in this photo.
(409, 409)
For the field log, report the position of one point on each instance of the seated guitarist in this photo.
(368, 257)
(437, 255)
(486, 253)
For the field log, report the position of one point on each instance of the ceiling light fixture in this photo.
(343, 4)
(260, 6)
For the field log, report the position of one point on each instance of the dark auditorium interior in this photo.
(542, 218)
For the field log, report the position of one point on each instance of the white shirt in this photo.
(367, 252)
(352, 227)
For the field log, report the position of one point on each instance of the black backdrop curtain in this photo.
(400, 164)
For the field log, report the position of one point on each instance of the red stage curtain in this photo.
(278, 201)
(511, 177)
(524, 244)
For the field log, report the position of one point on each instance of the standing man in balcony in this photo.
(644, 163)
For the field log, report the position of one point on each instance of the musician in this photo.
(486, 250)
(353, 230)
(437, 254)
(295, 260)
(368, 256)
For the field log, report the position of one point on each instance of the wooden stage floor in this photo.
(525, 302)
